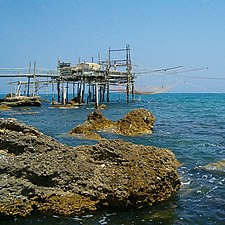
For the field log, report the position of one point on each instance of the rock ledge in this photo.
(136, 122)
(16, 101)
(37, 173)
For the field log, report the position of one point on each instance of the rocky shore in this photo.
(16, 101)
(40, 174)
(136, 122)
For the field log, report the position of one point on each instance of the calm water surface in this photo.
(191, 125)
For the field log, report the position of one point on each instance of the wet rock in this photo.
(102, 107)
(16, 101)
(39, 173)
(136, 122)
(66, 204)
(4, 107)
(218, 166)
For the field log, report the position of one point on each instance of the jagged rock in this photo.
(39, 173)
(136, 122)
(95, 121)
(16, 101)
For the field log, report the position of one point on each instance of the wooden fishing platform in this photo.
(90, 82)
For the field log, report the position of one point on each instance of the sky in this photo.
(160, 33)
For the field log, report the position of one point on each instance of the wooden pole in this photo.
(53, 100)
(58, 90)
(28, 82)
(96, 94)
(109, 63)
(100, 92)
(83, 90)
(34, 78)
(107, 94)
(128, 72)
(103, 93)
(127, 90)
(89, 92)
(46, 91)
(67, 92)
(132, 91)
(11, 88)
(28, 87)
(73, 90)
(78, 89)
(62, 93)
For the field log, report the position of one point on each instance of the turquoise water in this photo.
(191, 125)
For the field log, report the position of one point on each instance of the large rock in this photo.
(136, 122)
(39, 173)
(16, 101)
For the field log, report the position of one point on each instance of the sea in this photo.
(191, 125)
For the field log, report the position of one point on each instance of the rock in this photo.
(66, 204)
(101, 107)
(218, 166)
(76, 100)
(66, 106)
(16, 101)
(24, 109)
(96, 121)
(136, 122)
(4, 107)
(39, 173)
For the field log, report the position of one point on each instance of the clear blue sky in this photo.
(161, 33)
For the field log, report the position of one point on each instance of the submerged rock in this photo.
(136, 122)
(39, 173)
(102, 107)
(218, 166)
(16, 101)
(4, 107)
